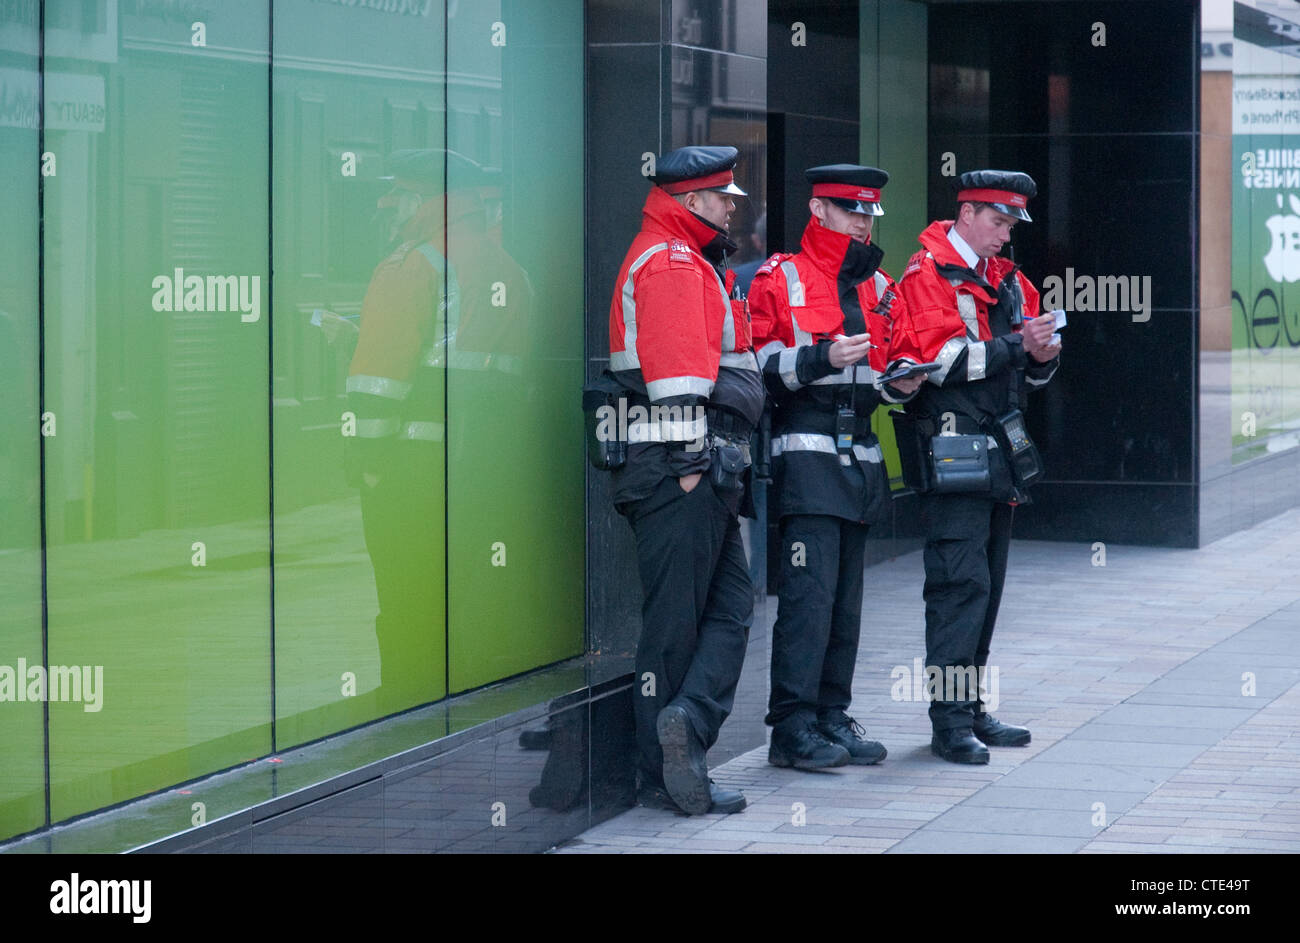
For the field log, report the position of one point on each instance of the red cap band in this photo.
(847, 191)
(993, 196)
(700, 183)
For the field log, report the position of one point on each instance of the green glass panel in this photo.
(1265, 365)
(515, 470)
(22, 780)
(358, 476)
(156, 331)
(893, 136)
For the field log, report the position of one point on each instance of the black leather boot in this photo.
(840, 728)
(997, 734)
(686, 774)
(796, 742)
(958, 745)
(721, 800)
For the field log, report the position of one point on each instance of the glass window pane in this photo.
(22, 733)
(156, 277)
(515, 210)
(359, 398)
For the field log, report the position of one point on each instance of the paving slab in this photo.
(1146, 736)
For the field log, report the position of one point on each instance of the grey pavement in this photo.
(1162, 689)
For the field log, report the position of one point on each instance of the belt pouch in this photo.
(727, 468)
(606, 448)
(960, 463)
(1022, 454)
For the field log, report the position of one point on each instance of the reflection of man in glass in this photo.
(395, 390)
(421, 316)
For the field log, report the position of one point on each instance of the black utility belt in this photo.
(615, 418)
(958, 463)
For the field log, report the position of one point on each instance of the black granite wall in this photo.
(662, 75)
(1109, 132)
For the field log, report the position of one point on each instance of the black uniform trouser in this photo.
(966, 543)
(695, 621)
(815, 638)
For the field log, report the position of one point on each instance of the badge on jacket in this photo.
(679, 251)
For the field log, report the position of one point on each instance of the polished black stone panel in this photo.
(626, 21)
(1156, 515)
(797, 143)
(1122, 405)
(237, 843)
(1107, 205)
(414, 811)
(626, 115)
(613, 584)
(461, 795)
(348, 822)
(738, 26)
(1034, 68)
(719, 98)
(613, 754)
(541, 779)
(819, 77)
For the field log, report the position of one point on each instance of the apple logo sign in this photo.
(1283, 259)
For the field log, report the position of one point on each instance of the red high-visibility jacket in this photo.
(672, 320)
(947, 320)
(798, 307)
(677, 337)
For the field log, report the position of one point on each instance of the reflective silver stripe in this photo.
(872, 455)
(787, 364)
(426, 431)
(738, 360)
(435, 356)
(378, 386)
(975, 361)
(484, 360)
(1039, 382)
(728, 316)
(797, 300)
(377, 428)
(667, 430)
(969, 316)
(767, 350)
(845, 376)
(624, 360)
(803, 442)
(815, 442)
(793, 285)
(629, 357)
(678, 386)
(448, 287)
(947, 354)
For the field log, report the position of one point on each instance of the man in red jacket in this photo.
(972, 312)
(680, 346)
(822, 320)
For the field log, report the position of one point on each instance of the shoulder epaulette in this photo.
(770, 266)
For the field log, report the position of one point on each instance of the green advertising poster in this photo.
(1265, 413)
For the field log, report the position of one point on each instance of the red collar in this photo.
(824, 248)
(664, 215)
(935, 239)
